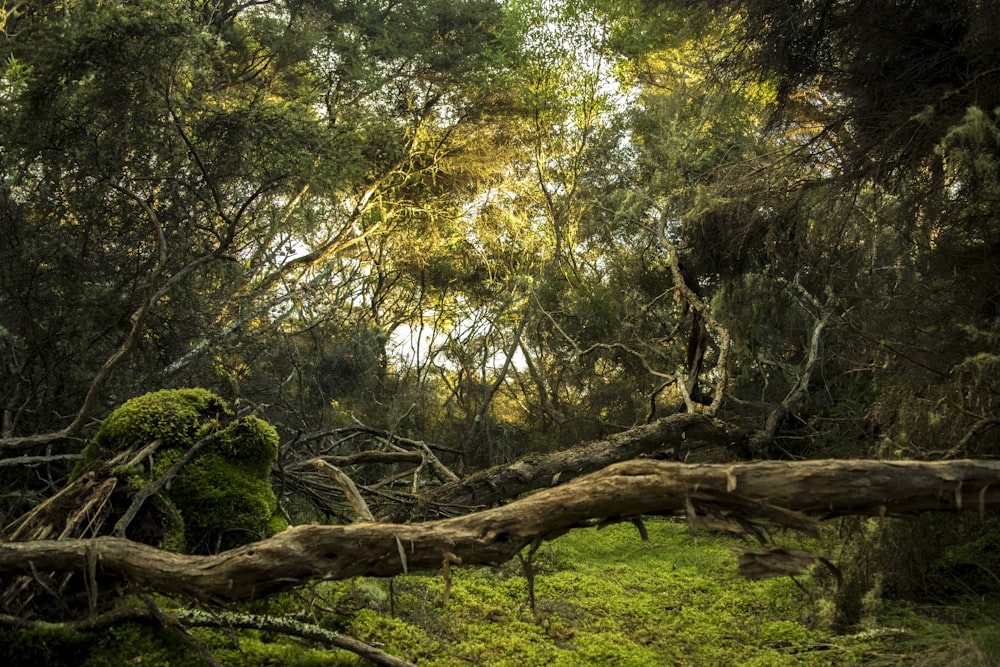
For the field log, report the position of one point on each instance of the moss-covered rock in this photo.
(222, 497)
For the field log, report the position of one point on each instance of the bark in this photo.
(784, 491)
(487, 488)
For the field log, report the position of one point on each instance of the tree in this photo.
(434, 236)
(259, 194)
(782, 492)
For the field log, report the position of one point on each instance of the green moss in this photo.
(171, 415)
(224, 504)
(256, 653)
(251, 441)
(139, 643)
(602, 598)
(222, 497)
(47, 645)
(130, 643)
(394, 635)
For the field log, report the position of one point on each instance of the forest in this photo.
(500, 332)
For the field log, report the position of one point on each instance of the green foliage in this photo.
(882, 65)
(329, 181)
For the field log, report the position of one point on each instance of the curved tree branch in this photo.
(800, 389)
(698, 306)
(782, 491)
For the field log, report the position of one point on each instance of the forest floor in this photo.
(603, 597)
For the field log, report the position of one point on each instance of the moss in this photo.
(127, 643)
(251, 441)
(602, 598)
(171, 415)
(135, 643)
(223, 503)
(47, 645)
(253, 652)
(222, 497)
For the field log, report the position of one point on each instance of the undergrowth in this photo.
(602, 597)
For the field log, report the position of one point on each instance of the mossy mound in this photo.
(222, 497)
(175, 416)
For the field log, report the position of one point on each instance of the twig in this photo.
(38, 460)
(977, 429)
(377, 433)
(155, 486)
(368, 456)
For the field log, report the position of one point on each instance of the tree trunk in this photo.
(784, 492)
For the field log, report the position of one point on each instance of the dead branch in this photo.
(29, 461)
(980, 427)
(368, 456)
(628, 489)
(501, 483)
(348, 487)
(701, 309)
(292, 628)
(382, 434)
(800, 389)
(222, 619)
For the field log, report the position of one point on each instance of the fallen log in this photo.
(783, 492)
(676, 435)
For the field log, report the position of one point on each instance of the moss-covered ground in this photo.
(603, 597)
(606, 598)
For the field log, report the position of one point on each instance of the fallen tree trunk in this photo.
(784, 492)
(680, 433)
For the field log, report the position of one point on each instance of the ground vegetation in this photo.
(298, 262)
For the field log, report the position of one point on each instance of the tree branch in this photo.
(501, 483)
(632, 488)
(696, 304)
(348, 487)
(800, 389)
